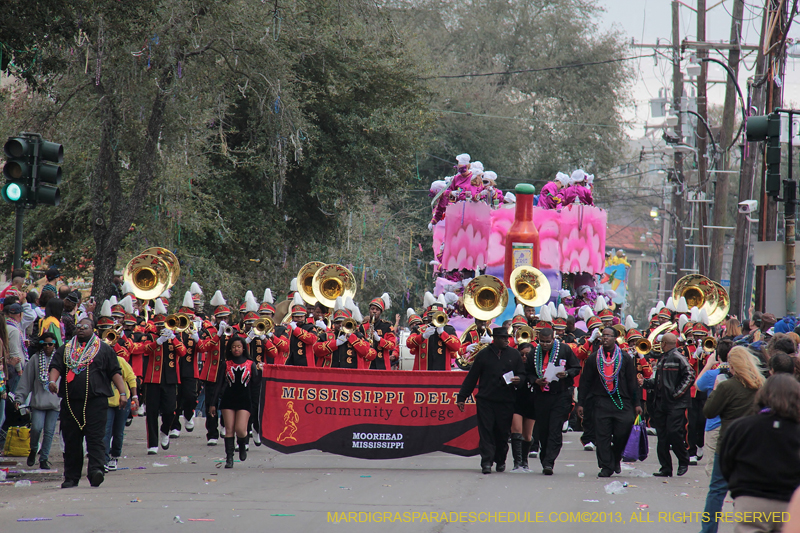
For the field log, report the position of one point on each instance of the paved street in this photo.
(288, 493)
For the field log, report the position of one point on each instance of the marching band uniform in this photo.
(210, 345)
(383, 340)
(341, 351)
(414, 324)
(301, 336)
(697, 421)
(272, 342)
(437, 347)
(161, 380)
(189, 371)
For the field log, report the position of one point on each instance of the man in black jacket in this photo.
(495, 398)
(670, 384)
(552, 398)
(615, 398)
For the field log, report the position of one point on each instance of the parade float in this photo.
(477, 230)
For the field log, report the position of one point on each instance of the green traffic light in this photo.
(14, 192)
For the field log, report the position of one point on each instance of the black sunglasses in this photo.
(48, 343)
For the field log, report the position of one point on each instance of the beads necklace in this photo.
(607, 380)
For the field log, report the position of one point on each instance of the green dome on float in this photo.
(525, 188)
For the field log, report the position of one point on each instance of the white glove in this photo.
(472, 348)
(341, 340)
(248, 339)
(198, 323)
(430, 226)
(486, 339)
(222, 326)
(293, 324)
(269, 334)
(164, 337)
(251, 334)
(195, 336)
(428, 333)
(321, 325)
(376, 336)
(440, 330)
(262, 337)
(595, 335)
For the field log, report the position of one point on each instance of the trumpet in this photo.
(439, 319)
(523, 334)
(349, 326)
(263, 326)
(709, 344)
(643, 346)
(228, 331)
(111, 336)
(179, 322)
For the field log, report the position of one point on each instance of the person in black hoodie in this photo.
(495, 398)
(759, 458)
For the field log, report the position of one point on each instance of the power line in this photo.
(470, 114)
(542, 69)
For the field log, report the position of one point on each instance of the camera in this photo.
(748, 206)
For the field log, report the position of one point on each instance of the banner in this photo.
(370, 414)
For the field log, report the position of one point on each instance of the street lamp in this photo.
(654, 212)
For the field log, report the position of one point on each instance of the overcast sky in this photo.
(647, 21)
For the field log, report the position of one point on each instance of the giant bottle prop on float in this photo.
(522, 241)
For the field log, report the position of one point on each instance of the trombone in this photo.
(643, 346)
(439, 319)
(523, 334)
(179, 323)
(111, 335)
(349, 326)
(263, 326)
(709, 344)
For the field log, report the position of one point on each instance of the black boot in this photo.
(526, 448)
(516, 450)
(229, 446)
(243, 448)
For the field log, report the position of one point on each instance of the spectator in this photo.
(116, 286)
(118, 415)
(45, 297)
(3, 366)
(732, 328)
(50, 280)
(780, 343)
(758, 455)
(63, 292)
(52, 321)
(13, 288)
(15, 351)
(732, 398)
(781, 364)
(43, 403)
(67, 318)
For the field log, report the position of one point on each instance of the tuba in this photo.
(262, 326)
(330, 282)
(660, 330)
(620, 329)
(152, 272)
(703, 293)
(305, 281)
(439, 319)
(523, 334)
(530, 286)
(485, 297)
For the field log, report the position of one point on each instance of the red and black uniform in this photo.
(189, 386)
(384, 348)
(161, 379)
(210, 347)
(437, 352)
(301, 344)
(355, 353)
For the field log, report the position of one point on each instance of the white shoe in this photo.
(534, 454)
(175, 433)
(152, 451)
(211, 442)
(651, 431)
(693, 460)
(222, 431)
(700, 452)
(140, 411)
(256, 438)
(589, 447)
(189, 425)
(112, 465)
(165, 441)
(565, 427)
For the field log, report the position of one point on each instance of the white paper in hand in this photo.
(508, 376)
(551, 371)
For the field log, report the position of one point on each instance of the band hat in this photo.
(593, 323)
(105, 322)
(127, 288)
(519, 310)
(188, 301)
(545, 316)
(653, 312)
(129, 318)
(293, 285)
(428, 300)
(412, 317)
(586, 313)
(298, 305)
(105, 310)
(222, 310)
(600, 304)
(671, 304)
(166, 294)
(629, 323)
(341, 314)
(127, 304)
(665, 313)
(218, 299)
(268, 297)
(159, 308)
(266, 307)
(682, 306)
(195, 288)
(250, 316)
(633, 334)
(382, 303)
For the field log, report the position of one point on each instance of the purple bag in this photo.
(636, 448)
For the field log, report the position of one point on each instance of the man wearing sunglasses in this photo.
(88, 366)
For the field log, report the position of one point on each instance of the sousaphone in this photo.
(331, 282)
(530, 286)
(703, 293)
(655, 344)
(305, 281)
(485, 298)
(150, 274)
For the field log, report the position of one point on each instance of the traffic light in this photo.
(768, 128)
(31, 170)
(18, 170)
(48, 173)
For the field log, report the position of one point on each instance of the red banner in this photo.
(371, 414)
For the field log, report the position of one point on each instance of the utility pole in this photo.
(702, 141)
(677, 175)
(729, 113)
